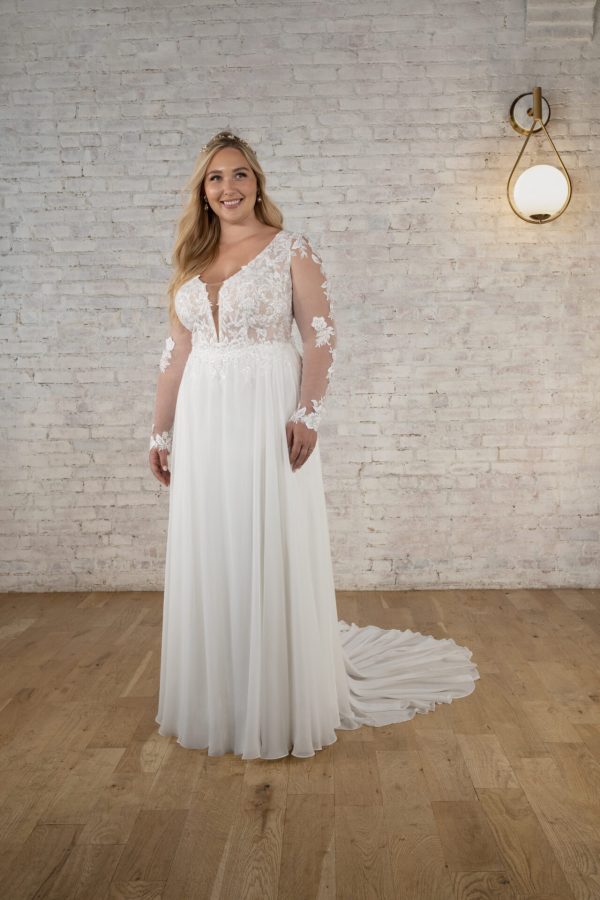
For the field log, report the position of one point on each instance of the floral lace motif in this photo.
(325, 336)
(162, 441)
(246, 360)
(324, 331)
(166, 354)
(254, 303)
(312, 419)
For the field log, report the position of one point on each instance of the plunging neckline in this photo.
(245, 266)
(220, 284)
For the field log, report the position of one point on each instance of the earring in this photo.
(205, 204)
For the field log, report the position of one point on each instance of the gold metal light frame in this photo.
(536, 113)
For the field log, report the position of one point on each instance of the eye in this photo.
(212, 178)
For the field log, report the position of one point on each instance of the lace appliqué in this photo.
(254, 303)
(246, 360)
(162, 441)
(312, 419)
(324, 335)
(324, 331)
(166, 354)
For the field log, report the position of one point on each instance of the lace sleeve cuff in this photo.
(311, 419)
(161, 440)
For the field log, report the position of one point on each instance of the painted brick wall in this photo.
(461, 443)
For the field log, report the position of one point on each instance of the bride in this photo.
(254, 660)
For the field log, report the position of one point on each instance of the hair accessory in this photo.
(229, 136)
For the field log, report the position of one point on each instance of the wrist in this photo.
(310, 419)
(162, 440)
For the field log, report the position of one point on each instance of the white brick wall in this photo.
(560, 20)
(461, 445)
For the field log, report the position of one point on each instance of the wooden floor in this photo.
(495, 795)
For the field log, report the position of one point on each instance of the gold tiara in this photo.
(229, 136)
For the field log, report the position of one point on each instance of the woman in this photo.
(254, 660)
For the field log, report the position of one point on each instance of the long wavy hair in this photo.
(199, 229)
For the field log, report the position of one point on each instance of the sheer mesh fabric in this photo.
(176, 350)
(312, 309)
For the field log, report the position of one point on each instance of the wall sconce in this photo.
(540, 193)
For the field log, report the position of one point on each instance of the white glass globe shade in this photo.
(540, 191)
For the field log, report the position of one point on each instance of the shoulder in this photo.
(303, 245)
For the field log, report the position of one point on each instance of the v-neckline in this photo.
(220, 284)
(245, 266)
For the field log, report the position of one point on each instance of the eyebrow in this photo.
(237, 169)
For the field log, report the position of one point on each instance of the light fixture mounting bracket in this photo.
(521, 113)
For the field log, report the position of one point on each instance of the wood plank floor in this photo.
(494, 795)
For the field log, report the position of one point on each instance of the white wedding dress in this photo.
(254, 660)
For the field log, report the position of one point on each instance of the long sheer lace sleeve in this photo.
(312, 309)
(172, 363)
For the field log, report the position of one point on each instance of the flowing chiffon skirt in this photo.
(254, 660)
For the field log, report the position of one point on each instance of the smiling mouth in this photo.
(231, 204)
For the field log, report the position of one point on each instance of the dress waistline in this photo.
(234, 349)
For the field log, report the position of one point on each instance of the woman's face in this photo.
(229, 177)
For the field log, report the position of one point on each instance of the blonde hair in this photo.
(198, 229)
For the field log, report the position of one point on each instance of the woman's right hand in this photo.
(159, 465)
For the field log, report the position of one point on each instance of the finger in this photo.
(296, 446)
(155, 462)
(164, 462)
(302, 457)
(156, 469)
(309, 447)
(289, 431)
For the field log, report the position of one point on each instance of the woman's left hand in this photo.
(301, 442)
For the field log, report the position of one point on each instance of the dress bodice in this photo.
(254, 304)
(255, 308)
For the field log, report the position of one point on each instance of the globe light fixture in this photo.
(541, 192)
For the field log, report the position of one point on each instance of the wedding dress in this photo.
(254, 660)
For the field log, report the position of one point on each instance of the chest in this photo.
(254, 304)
